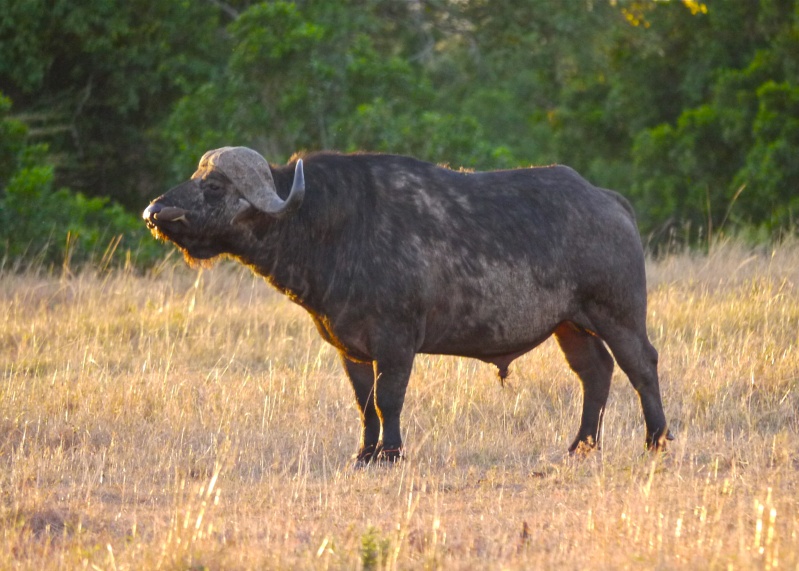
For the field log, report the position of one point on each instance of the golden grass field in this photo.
(194, 420)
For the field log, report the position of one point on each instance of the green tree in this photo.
(43, 226)
(321, 75)
(770, 169)
(726, 161)
(688, 107)
(92, 79)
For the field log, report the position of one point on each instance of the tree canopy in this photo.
(689, 108)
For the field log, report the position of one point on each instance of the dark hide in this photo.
(392, 257)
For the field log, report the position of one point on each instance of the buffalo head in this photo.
(230, 185)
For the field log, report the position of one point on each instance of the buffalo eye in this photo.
(213, 190)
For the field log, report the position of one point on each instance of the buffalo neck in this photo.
(308, 254)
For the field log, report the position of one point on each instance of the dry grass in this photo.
(191, 421)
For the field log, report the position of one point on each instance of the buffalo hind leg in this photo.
(362, 378)
(638, 359)
(588, 358)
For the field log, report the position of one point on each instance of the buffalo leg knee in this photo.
(362, 377)
(588, 358)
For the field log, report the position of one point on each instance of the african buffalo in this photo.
(393, 256)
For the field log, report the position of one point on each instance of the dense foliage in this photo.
(42, 226)
(689, 108)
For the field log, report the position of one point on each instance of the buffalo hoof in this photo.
(583, 447)
(378, 455)
(390, 455)
(364, 456)
(657, 442)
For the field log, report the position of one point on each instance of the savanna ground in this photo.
(193, 420)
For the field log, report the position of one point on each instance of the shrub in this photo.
(43, 226)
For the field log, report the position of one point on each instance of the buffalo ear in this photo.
(245, 210)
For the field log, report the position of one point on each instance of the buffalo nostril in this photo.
(151, 211)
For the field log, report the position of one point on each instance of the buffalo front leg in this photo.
(587, 356)
(362, 378)
(391, 381)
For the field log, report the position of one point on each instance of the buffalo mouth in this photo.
(156, 212)
(165, 222)
(170, 224)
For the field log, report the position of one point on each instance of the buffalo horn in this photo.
(278, 207)
(253, 177)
